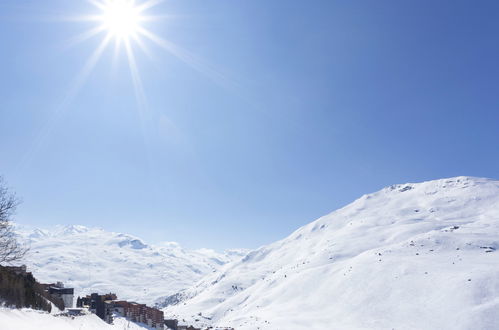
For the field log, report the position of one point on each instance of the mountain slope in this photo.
(94, 260)
(414, 256)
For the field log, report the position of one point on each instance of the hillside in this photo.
(412, 256)
(94, 260)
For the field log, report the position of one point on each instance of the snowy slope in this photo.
(25, 319)
(94, 260)
(413, 256)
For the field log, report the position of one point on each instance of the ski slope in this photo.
(411, 256)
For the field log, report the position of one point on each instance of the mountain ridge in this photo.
(424, 249)
(95, 260)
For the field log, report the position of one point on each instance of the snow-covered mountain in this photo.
(412, 256)
(94, 260)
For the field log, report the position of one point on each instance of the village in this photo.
(105, 306)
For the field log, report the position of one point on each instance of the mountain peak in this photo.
(412, 251)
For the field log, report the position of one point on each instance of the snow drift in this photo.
(26, 319)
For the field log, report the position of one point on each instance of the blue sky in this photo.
(285, 111)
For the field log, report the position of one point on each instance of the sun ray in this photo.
(143, 47)
(153, 18)
(140, 98)
(76, 85)
(90, 64)
(79, 18)
(188, 58)
(99, 4)
(85, 35)
(121, 21)
(149, 4)
(117, 48)
(137, 81)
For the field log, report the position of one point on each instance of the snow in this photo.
(412, 256)
(26, 319)
(94, 260)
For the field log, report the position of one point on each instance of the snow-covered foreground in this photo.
(94, 260)
(25, 319)
(413, 256)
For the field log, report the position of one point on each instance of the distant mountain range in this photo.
(95, 260)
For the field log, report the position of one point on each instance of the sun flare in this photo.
(121, 18)
(126, 24)
(123, 22)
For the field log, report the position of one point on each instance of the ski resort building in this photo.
(153, 317)
(18, 270)
(100, 305)
(59, 291)
(104, 306)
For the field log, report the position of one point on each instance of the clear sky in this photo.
(265, 116)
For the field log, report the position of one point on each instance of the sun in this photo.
(121, 18)
(123, 22)
(126, 23)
